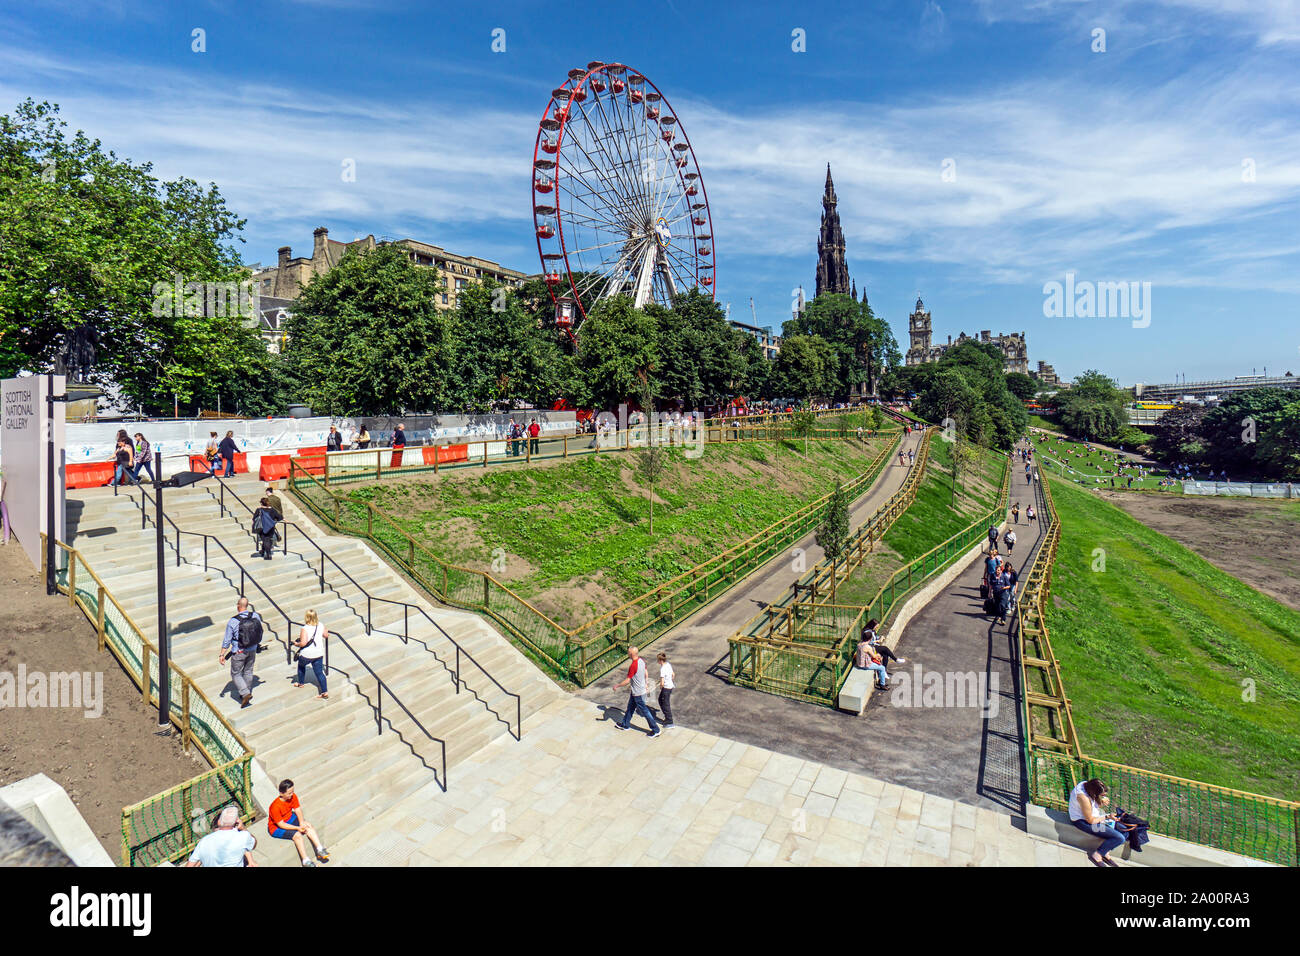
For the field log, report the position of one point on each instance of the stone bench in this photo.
(1163, 851)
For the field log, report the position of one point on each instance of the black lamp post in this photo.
(164, 642)
(164, 650)
(51, 575)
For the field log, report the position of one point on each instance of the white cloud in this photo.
(1050, 175)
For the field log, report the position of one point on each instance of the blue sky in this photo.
(1124, 165)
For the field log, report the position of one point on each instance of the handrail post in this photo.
(369, 626)
(100, 634)
(185, 716)
(406, 627)
(72, 579)
(458, 668)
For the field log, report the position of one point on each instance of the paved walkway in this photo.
(575, 791)
(947, 750)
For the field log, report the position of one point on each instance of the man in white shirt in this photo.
(666, 685)
(636, 676)
(228, 845)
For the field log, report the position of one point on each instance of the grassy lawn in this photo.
(928, 521)
(1094, 468)
(1158, 650)
(573, 536)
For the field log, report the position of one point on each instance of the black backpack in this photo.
(250, 630)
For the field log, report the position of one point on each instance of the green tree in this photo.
(804, 368)
(832, 534)
(366, 338)
(502, 356)
(618, 343)
(651, 461)
(862, 345)
(802, 424)
(1094, 408)
(90, 239)
(1248, 432)
(1021, 385)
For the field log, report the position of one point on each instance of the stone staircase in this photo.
(344, 769)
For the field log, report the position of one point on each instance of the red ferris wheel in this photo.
(619, 206)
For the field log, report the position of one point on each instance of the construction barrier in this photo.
(93, 475)
(274, 467)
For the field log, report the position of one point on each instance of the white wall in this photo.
(24, 441)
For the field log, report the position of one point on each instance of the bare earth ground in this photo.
(104, 763)
(1255, 540)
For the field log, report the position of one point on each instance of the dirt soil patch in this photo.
(1253, 540)
(104, 763)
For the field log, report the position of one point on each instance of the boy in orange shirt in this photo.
(284, 824)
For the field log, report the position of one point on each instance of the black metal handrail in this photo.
(516, 732)
(246, 576)
(380, 687)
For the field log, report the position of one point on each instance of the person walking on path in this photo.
(666, 685)
(228, 448)
(122, 457)
(212, 453)
(534, 429)
(228, 845)
(1002, 592)
(911, 457)
(1029, 513)
(274, 501)
(333, 441)
(1015, 512)
(143, 458)
(516, 433)
(285, 822)
(311, 652)
(1009, 539)
(993, 538)
(398, 443)
(242, 637)
(636, 677)
(264, 521)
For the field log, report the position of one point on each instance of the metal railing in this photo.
(406, 607)
(340, 467)
(165, 827)
(1250, 824)
(246, 577)
(804, 650)
(584, 653)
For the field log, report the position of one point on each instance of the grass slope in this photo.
(1155, 651)
(574, 536)
(929, 520)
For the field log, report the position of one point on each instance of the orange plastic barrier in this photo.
(274, 467)
(312, 460)
(93, 474)
(444, 453)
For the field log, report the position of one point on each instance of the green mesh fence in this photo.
(584, 654)
(1245, 823)
(779, 652)
(164, 827)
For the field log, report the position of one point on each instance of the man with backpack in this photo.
(993, 537)
(264, 519)
(240, 643)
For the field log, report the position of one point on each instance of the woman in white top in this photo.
(666, 685)
(311, 650)
(1088, 812)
